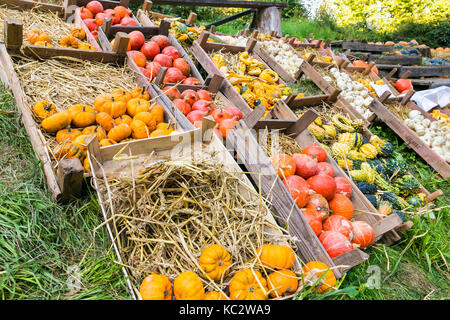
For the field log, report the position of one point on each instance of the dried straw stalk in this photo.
(167, 213)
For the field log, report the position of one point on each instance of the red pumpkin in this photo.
(94, 7)
(128, 22)
(298, 188)
(192, 81)
(137, 39)
(91, 24)
(95, 34)
(172, 93)
(359, 63)
(182, 105)
(138, 58)
(86, 13)
(163, 60)
(316, 151)
(341, 205)
(363, 234)
(204, 95)
(323, 184)
(161, 40)
(150, 49)
(226, 125)
(203, 105)
(196, 116)
(171, 52)
(100, 17)
(220, 114)
(145, 72)
(343, 186)
(339, 224)
(190, 96)
(284, 165)
(403, 84)
(121, 11)
(325, 168)
(235, 112)
(181, 64)
(153, 69)
(335, 243)
(306, 166)
(173, 75)
(311, 216)
(320, 204)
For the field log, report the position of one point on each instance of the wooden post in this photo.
(160, 76)
(302, 123)
(203, 38)
(327, 43)
(69, 10)
(254, 34)
(164, 27)
(291, 41)
(252, 119)
(250, 44)
(13, 33)
(147, 6)
(268, 19)
(121, 43)
(106, 26)
(192, 18)
(384, 96)
(391, 73)
(405, 75)
(407, 97)
(212, 29)
(368, 68)
(215, 83)
(246, 32)
(70, 178)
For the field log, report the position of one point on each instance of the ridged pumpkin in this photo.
(105, 120)
(140, 93)
(248, 284)
(44, 109)
(121, 95)
(320, 204)
(314, 271)
(123, 119)
(68, 150)
(137, 105)
(276, 256)
(80, 141)
(215, 261)
(107, 142)
(147, 118)
(78, 32)
(158, 112)
(110, 105)
(139, 130)
(335, 243)
(156, 287)
(368, 150)
(216, 295)
(188, 286)
(36, 35)
(69, 42)
(284, 165)
(98, 131)
(120, 132)
(342, 206)
(74, 109)
(281, 282)
(68, 134)
(83, 118)
(56, 122)
(86, 46)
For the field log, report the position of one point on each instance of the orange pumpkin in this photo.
(341, 205)
(123, 119)
(284, 165)
(188, 286)
(320, 204)
(86, 46)
(276, 256)
(78, 32)
(83, 118)
(111, 106)
(56, 122)
(215, 261)
(121, 95)
(248, 284)
(140, 93)
(80, 141)
(363, 234)
(86, 166)
(281, 282)
(139, 130)
(98, 131)
(43, 44)
(36, 35)
(156, 287)
(120, 132)
(105, 120)
(107, 142)
(69, 42)
(147, 118)
(68, 134)
(136, 105)
(314, 270)
(44, 109)
(68, 150)
(158, 112)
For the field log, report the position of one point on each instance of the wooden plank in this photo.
(275, 66)
(28, 4)
(224, 3)
(254, 116)
(425, 71)
(69, 175)
(121, 43)
(273, 124)
(307, 101)
(13, 33)
(397, 60)
(411, 139)
(386, 224)
(302, 123)
(359, 46)
(350, 259)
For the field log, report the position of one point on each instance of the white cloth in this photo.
(428, 99)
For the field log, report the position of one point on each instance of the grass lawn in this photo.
(45, 247)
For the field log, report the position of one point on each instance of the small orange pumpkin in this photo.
(158, 133)
(69, 42)
(139, 129)
(86, 166)
(120, 132)
(80, 141)
(121, 95)
(43, 44)
(107, 142)
(68, 134)
(110, 105)
(314, 270)
(83, 118)
(136, 105)
(36, 35)
(105, 120)
(140, 93)
(188, 286)
(147, 118)
(68, 150)
(156, 287)
(86, 46)
(248, 284)
(216, 295)
(342, 206)
(215, 261)
(276, 256)
(123, 119)
(44, 109)
(281, 282)
(95, 130)
(78, 32)
(56, 122)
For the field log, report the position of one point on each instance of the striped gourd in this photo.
(368, 150)
(354, 154)
(340, 150)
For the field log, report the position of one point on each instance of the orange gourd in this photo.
(158, 111)
(111, 105)
(120, 132)
(83, 118)
(68, 150)
(320, 204)
(140, 93)
(276, 256)
(69, 42)
(281, 282)
(36, 35)
(341, 205)
(136, 105)
(56, 122)
(314, 270)
(123, 119)
(44, 109)
(284, 165)
(68, 134)
(216, 295)
(105, 120)
(188, 286)
(139, 130)
(107, 142)
(78, 32)
(147, 118)
(121, 95)
(156, 287)
(215, 261)
(248, 284)
(98, 131)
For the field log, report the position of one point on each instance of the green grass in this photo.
(40, 241)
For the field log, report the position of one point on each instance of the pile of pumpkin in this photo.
(324, 200)
(40, 38)
(246, 284)
(378, 171)
(94, 15)
(117, 117)
(196, 105)
(257, 84)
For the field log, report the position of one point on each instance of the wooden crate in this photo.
(29, 4)
(67, 180)
(361, 46)
(410, 138)
(199, 141)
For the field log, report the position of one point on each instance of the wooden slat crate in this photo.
(29, 4)
(360, 46)
(65, 181)
(200, 143)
